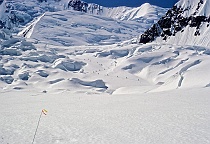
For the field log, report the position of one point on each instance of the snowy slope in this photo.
(201, 7)
(187, 23)
(145, 13)
(65, 28)
(188, 36)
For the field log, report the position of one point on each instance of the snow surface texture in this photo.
(180, 116)
(100, 91)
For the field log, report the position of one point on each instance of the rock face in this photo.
(192, 15)
(78, 5)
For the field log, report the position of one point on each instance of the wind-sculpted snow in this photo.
(96, 83)
(7, 71)
(24, 76)
(68, 65)
(114, 53)
(7, 79)
(42, 73)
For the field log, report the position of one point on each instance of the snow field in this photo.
(180, 116)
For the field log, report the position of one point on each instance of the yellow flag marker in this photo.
(44, 111)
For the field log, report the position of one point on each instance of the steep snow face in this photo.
(145, 10)
(195, 7)
(145, 13)
(186, 23)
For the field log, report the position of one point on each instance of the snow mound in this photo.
(68, 65)
(42, 73)
(24, 76)
(6, 71)
(7, 79)
(96, 83)
(114, 53)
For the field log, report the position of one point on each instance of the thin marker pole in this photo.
(37, 127)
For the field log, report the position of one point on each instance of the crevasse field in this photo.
(99, 87)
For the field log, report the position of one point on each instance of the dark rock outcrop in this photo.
(78, 5)
(173, 22)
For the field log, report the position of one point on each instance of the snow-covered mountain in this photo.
(187, 23)
(28, 18)
(26, 10)
(145, 13)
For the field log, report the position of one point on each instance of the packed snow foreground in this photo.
(104, 91)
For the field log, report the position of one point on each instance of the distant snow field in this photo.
(97, 83)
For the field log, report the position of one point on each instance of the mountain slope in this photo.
(145, 13)
(186, 23)
(23, 11)
(117, 24)
(64, 28)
